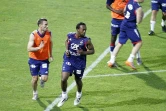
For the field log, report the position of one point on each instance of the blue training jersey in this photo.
(74, 44)
(130, 15)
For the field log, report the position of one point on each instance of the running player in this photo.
(40, 50)
(128, 30)
(117, 13)
(155, 6)
(74, 61)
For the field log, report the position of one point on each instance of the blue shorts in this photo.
(115, 26)
(155, 5)
(163, 5)
(38, 67)
(67, 67)
(132, 34)
(158, 4)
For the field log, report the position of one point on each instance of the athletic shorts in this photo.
(163, 5)
(38, 67)
(132, 34)
(67, 67)
(115, 26)
(155, 5)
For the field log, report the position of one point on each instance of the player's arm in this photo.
(124, 10)
(66, 46)
(30, 47)
(89, 47)
(139, 15)
(108, 4)
(51, 47)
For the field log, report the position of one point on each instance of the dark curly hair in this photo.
(78, 25)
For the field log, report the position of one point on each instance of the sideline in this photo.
(49, 107)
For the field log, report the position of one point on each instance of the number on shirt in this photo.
(127, 15)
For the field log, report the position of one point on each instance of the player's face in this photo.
(44, 26)
(82, 30)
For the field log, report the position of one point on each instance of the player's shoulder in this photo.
(71, 34)
(136, 4)
(35, 31)
(48, 32)
(86, 38)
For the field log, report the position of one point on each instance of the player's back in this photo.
(118, 5)
(130, 15)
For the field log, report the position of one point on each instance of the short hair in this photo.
(40, 21)
(78, 25)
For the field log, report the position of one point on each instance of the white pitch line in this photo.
(125, 74)
(50, 106)
(147, 13)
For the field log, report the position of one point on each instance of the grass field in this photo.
(126, 90)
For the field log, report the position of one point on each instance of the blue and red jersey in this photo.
(74, 44)
(130, 15)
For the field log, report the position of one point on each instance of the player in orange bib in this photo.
(40, 51)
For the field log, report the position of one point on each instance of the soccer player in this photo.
(40, 50)
(74, 60)
(117, 12)
(128, 30)
(155, 6)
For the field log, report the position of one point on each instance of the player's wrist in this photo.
(38, 48)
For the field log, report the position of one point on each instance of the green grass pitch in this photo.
(137, 92)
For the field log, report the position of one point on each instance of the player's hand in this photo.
(67, 53)
(120, 11)
(41, 44)
(51, 59)
(80, 51)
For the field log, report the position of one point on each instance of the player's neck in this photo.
(77, 35)
(41, 31)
